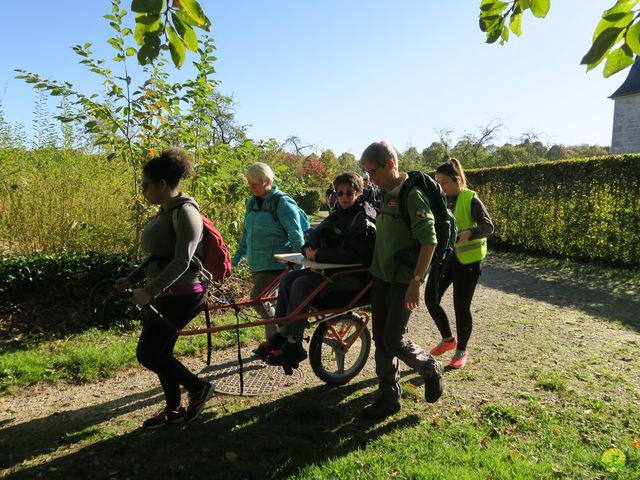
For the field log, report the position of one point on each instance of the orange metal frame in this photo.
(297, 314)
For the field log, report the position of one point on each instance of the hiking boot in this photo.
(380, 409)
(433, 383)
(444, 346)
(197, 401)
(274, 342)
(459, 360)
(165, 417)
(288, 357)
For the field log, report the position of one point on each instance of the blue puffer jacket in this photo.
(263, 236)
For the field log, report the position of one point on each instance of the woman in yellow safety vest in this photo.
(464, 267)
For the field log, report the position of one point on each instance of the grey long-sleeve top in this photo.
(172, 249)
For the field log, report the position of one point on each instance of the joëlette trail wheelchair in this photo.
(340, 344)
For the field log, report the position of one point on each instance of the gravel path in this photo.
(529, 321)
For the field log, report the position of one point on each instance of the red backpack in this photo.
(217, 260)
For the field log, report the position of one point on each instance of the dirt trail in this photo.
(529, 322)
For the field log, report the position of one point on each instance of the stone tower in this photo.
(626, 113)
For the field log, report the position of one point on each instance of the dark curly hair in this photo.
(172, 165)
(350, 178)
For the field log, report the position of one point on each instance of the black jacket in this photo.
(345, 236)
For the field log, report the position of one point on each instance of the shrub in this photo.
(309, 201)
(585, 208)
(68, 274)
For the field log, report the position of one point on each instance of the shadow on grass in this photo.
(274, 439)
(42, 435)
(577, 288)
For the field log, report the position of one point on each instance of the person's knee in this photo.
(393, 346)
(146, 357)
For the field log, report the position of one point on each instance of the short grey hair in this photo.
(260, 172)
(379, 153)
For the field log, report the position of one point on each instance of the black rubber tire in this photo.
(117, 311)
(99, 294)
(318, 340)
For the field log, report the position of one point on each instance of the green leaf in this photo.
(130, 51)
(186, 33)
(150, 48)
(600, 47)
(495, 32)
(618, 60)
(176, 46)
(489, 6)
(504, 35)
(489, 23)
(186, 19)
(194, 10)
(622, 22)
(516, 23)
(146, 23)
(524, 4)
(146, 6)
(621, 8)
(633, 38)
(540, 8)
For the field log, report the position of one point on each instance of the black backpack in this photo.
(445, 223)
(275, 202)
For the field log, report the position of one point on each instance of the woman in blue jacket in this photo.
(346, 236)
(272, 225)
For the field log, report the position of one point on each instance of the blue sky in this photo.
(340, 74)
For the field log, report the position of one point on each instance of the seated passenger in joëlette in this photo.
(346, 236)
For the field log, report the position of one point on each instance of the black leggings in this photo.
(155, 347)
(464, 279)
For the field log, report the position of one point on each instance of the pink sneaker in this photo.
(459, 360)
(444, 346)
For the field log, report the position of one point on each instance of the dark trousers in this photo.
(464, 279)
(157, 340)
(296, 287)
(390, 320)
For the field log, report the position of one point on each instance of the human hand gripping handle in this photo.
(140, 296)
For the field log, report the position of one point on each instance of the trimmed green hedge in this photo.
(586, 208)
(66, 274)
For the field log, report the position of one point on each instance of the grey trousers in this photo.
(296, 287)
(390, 320)
(266, 309)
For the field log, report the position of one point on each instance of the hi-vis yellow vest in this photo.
(473, 250)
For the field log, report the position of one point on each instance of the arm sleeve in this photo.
(290, 220)
(188, 235)
(481, 216)
(137, 274)
(422, 221)
(318, 229)
(241, 249)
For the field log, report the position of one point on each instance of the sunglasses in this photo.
(348, 193)
(145, 186)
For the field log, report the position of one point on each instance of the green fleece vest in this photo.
(472, 250)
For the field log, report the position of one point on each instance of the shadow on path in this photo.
(274, 439)
(594, 296)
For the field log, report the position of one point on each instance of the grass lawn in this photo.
(551, 391)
